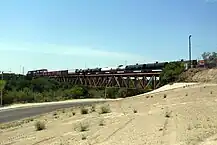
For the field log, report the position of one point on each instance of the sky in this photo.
(70, 34)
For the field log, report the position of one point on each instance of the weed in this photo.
(93, 108)
(165, 95)
(84, 127)
(168, 114)
(55, 113)
(84, 137)
(73, 113)
(39, 125)
(63, 111)
(105, 109)
(134, 111)
(84, 110)
(101, 123)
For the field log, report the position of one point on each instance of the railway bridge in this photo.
(117, 80)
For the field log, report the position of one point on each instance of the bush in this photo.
(84, 110)
(39, 125)
(83, 127)
(171, 72)
(105, 109)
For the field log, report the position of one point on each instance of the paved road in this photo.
(20, 113)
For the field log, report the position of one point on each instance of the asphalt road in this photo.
(21, 113)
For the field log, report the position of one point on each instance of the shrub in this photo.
(84, 110)
(39, 125)
(101, 123)
(93, 108)
(134, 111)
(171, 72)
(83, 127)
(105, 109)
(83, 137)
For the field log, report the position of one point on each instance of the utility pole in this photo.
(189, 46)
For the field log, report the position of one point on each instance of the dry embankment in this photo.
(181, 116)
(200, 75)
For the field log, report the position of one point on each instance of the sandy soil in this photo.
(182, 116)
(47, 103)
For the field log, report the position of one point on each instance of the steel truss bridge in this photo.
(124, 80)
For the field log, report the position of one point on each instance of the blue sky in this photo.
(67, 34)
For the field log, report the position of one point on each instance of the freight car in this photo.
(34, 73)
(149, 67)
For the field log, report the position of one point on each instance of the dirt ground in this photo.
(183, 116)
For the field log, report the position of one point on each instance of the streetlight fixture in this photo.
(1, 95)
(189, 47)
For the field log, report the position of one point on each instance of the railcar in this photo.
(120, 69)
(37, 73)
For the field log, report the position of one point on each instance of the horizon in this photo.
(60, 35)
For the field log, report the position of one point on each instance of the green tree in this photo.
(210, 58)
(2, 84)
(171, 72)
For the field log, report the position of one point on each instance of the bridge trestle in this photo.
(127, 80)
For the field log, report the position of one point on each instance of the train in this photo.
(137, 68)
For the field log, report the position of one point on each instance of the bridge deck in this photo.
(111, 74)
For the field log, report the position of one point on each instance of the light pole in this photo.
(189, 45)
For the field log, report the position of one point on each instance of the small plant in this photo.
(168, 114)
(147, 96)
(84, 137)
(186, 94)
(93, 108)
(101, 123)
(84, 127)
(63, 111)
(211, 92)
(55, 113)
(39, 125)
(56, 117)
(189, 127)
(134, 111)
(84, 110)
(73, 113)
(105, 109)
(165, 95)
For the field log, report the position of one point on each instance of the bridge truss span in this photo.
(125, 80)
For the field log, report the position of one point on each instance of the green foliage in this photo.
(2, 84)
(20, 89)
(171, 72)
(210, 59)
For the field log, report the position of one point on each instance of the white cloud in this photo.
(210, 1)
(78, 51)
